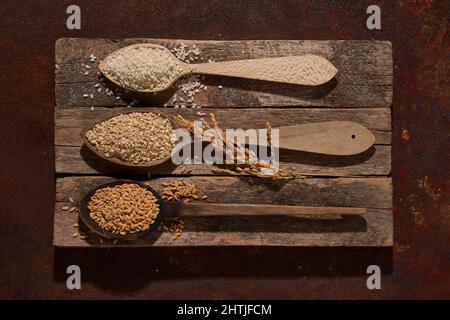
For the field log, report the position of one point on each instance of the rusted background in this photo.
(417, 267)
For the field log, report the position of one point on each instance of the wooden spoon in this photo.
(189, 209)
(203, 209)
(309, 70)
(337, 138)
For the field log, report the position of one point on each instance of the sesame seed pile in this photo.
(133, 137)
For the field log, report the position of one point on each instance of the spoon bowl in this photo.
(94, 227)
(177, 63)
(115, 159)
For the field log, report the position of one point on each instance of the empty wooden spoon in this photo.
(203, 209)
(309, 70)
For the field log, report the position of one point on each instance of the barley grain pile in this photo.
(133, 137)
(125, 208)
(142, 68)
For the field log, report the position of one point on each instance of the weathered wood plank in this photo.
(364, 78)
(80, 160)
(372, 229)
(378, 120)
(72, 157)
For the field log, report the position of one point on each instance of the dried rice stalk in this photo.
(252, 164)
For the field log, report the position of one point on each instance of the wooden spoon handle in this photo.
(308, 70)
(233, 209)
(341, 138)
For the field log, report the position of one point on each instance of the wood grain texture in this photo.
(73, 157)
(372, 229)
(309, 70)
(364, 79)
(335, 138)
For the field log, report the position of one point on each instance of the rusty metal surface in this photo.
(417, 267)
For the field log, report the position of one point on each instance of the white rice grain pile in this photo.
(142, 68)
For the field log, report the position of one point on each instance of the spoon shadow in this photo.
(280, 224)
(316, 159)
(243, 89)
